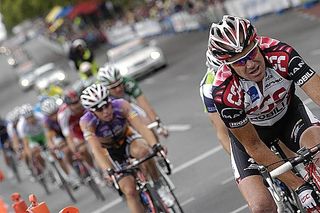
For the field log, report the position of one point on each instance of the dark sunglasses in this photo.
(243, 60)
(99, 109)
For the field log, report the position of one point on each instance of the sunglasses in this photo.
(104, 104)
(250, 55)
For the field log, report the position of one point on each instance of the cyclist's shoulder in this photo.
(273, 46)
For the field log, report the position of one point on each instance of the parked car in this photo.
(136, 58)
(49, 74)
(26, 80)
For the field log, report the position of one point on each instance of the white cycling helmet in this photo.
(79, 42)
(109, 76)
(230, 36)
(94, 96)
(212, 62)
(49, 106)
(85, 67)
(14, 115)
(26, 110)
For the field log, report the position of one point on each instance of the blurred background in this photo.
(35, 41)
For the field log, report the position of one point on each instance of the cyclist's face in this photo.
(117, 91)
(76, 107)
(31, 120)
(249, 64)
(105, 112)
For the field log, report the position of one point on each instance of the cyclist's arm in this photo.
(143, 102)
(249, 138)
(221, 130)
(50, 134)
(26, 146)
(70, 143)
(138, 125)
(100, 154)
(312, 88)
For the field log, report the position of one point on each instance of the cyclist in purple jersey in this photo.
(56, 141)
(106, 128)
(254, 93)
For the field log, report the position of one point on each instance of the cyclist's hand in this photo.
(162, 130)
(109, 176)
(308, 197)
(159, 147)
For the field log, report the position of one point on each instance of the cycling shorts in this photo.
(288, 130)
(121, 151)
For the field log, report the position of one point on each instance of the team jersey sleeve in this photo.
(229, 101)
(206, 87)
(86, 129)
(131, 87)
(298, 69)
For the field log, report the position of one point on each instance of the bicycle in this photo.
(12, 160)
(83, 171)
(312, 176)
(149, 196)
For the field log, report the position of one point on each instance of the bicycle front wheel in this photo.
(156, 203)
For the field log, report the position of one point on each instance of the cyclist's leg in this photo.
(138, 149)
(250, 183)
(128, 187)
(36, 153)
(83, 149)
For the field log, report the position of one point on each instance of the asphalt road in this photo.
(202, 172)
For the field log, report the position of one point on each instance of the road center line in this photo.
(197, 159)
(187, 201)
(108, 206)
(240, 209)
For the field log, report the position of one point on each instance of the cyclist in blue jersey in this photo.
(112, 129)
(254, 93)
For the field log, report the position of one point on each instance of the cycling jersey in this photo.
(69, 122)
(3, 132)
(33, 132)
(206, 91)
(53, 125)
(131, 89)
(240, 101)
(115, 135)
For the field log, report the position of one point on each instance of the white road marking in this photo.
(315, 52)
(227, 180)
(177, 169)
(240, 209)
(108, 206)
(178, 127)
(187, 201)
(197, 159)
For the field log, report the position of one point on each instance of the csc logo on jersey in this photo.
(279, 61)
(233, 95)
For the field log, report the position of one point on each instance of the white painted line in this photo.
(197, 159)
(187, 201)
(177, 169)
(178, 127)
(227, 180)
(315, 52)
(240, 209)
(108, 206)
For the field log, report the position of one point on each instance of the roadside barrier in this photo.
(20, 206)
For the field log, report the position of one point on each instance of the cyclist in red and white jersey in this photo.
(69, 115)
(254, 93)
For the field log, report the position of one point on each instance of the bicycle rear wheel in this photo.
(13, 166)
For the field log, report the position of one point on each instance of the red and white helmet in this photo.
(230, 36)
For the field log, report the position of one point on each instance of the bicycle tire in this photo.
(44, 184)
(159, 205)
(164, 180)
(94, 187)
(14, 168)
(64, 183)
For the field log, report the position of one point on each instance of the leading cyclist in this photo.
(254, 93)
(107, 128)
